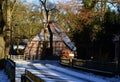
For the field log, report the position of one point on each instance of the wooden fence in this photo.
(17, 57)
(10, 69)
(32, 75)
(108, 68)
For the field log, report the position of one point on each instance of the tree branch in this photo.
(3, 3)
(52, 9)
(13, 6)
(45, 9)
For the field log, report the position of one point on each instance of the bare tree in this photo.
(47, 8)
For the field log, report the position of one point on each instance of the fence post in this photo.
(23, 78)
(70, 62)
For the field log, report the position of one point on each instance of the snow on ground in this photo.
(3, 76)
(53, 69)
(20, 69)
(89, 76)
(77, 74)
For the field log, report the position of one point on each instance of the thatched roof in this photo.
(58, 35)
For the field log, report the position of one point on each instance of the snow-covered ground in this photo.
(3, 76)
(20, 69)
(55, 71)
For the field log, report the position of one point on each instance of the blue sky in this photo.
(37, 1)
(55, 1)
(33, 1)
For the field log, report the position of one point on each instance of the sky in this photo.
(32, 1)
(37, 1)
(55, 1)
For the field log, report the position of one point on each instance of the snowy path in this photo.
(3, 76)
(20, 69)
(52, 70)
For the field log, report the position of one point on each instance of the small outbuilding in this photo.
(61, 42)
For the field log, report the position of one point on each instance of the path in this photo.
(53, 71)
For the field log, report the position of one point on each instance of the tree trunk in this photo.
(2, 23)
(46, 18)
(45, 42)
(51, 40)
(7, 28)
(5, 23)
